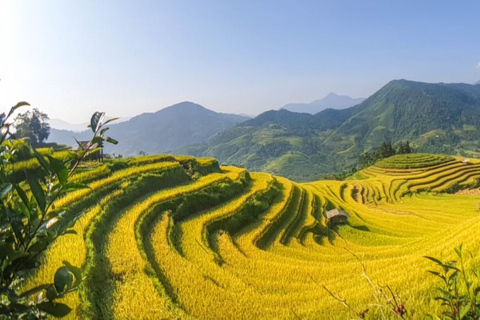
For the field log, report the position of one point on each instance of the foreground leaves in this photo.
(29, 222)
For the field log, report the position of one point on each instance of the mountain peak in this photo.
(186, 106)
(331, 95)
(331, 100)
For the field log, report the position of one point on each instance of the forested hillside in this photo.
(440, 117)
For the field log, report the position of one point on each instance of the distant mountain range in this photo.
(60, 124)
(330, 101)
(162, 131)
(441, 118)
(64, 125)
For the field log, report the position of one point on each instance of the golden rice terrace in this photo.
(165, 237)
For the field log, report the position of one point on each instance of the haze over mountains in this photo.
(170, 128)
(439, 117)
(332, 100)
(433, 117)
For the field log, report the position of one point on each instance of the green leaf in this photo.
(111, 120)
(111, 140)
(458, 251)
(51, 293)
(23, 196)
(34, 290)
(15, 107)
(435, 260)
(58, 310)
(17, 226)
(94, 151)
(435, 273)
(80, 145)
(63, 280)
(95, 121)
(5, 188)
(77, 272)
(41, 160)
(102, 132)
(59, 168)
(37, 191)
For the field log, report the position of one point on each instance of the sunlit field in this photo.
(180, 237)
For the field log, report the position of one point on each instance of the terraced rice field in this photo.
(182, 238)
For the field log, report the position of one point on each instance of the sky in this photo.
(72, 58)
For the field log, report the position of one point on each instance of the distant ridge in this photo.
(332, 100)
(433, 117)
(162, 131)
(60, 124)
(478, 82)
(64, 125)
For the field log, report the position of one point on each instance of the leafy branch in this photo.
(29, 221)
(459, 292)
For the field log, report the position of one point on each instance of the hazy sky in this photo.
(71, 58)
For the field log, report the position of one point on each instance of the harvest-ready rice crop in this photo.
(178, 237)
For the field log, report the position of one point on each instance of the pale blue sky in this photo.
(70, 58)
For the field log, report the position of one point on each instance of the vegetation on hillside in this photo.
(435, 118)
(413, 160)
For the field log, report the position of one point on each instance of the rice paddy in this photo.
(182, 238)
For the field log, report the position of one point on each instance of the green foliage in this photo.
(33, 125)
(29, 222)
(118, 165)
(414, 160)
(341, 175)
(459, 292)
(386, 150)
(433, 118)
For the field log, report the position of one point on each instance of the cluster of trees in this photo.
(370, 158)
(34, 126)
(386, 150)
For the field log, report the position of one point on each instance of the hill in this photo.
(164, 237)
(332, 100)
(434, 117)
(162, 131)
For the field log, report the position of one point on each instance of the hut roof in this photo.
(335, 213)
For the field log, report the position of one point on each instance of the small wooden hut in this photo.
(337, 216)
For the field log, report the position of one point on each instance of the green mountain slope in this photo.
(433, 117)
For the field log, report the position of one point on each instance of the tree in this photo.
(386, 150)
(404, 148)
(33, 125)
(29, 222)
